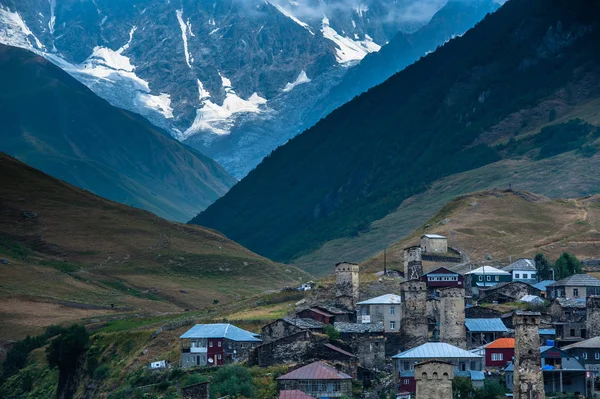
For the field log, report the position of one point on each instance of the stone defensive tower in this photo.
(528, 378)
(434, 379)
(413, 265)
(593, 316)
(452, 317)
(346, 284)
(414, 314)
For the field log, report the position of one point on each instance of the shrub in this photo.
(101, 372)
(233, 381)
(332, 333)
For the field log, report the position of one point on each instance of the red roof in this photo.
(315, 371)
(321, 312)
(502, 343)
(340, 350)
(295, 394)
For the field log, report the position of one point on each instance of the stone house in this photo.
(464, 363)
(561, 371)
(588, 353)
(293, 348)
(366, 341)
(568, 318)
(500, 352)
(434, 379)
(289, 325)
(215, 345)
(481, 332)
(575, 286)
(486, 277)
(480, 312)
(507, 292)
(384, 309)
(524, 270)
(434, 244)
(318, 380)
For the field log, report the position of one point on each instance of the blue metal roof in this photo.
(227, 331)
(485, 325)
(543, 284)
(547, 331)
(477, 375)
(436, 350)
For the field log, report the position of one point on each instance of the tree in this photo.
(491, 390)
(235, 381)
(332, 333)
(461, 388)
(65, 353)
(543, 266)
(566, 265)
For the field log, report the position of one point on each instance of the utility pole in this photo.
(385, 262)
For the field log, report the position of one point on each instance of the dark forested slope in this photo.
(436, 118)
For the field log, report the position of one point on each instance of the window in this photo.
(210, 344)
(517, 275)
(497, 278)
(406, 366)
(473, 365)
(392, 325)
(575, 292)
(583, 333)
(497, 357)
(524, 275)
(406, 381)
(572, 332)
(392, 310)
(219, 356)
(489, 278)
(243, 345)
(584, 355)
(597, 356)
(219, 342)
(480, 278)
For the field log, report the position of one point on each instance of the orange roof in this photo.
(502, 343)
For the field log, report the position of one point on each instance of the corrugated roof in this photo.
(228, 331)
(477, 375)
(358, 328)
(543, 284)
(489, 270)
(387, 299)
(295, 394)
(547, 331)
(436, 350)
(502, 343)
(588, 343)
(304, 323)
(578, 280)
(525, 264)
(485, 325)
(339, 350)
(531, 299)
(434, 236)
(315, 371)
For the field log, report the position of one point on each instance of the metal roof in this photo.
(315, 371)
(387, 299)
(303, 323)
(489, 270)
(434, 236)
(357, 328)
(591, 343)
(227, 331)
(477, 375)
(543, 284)
(578, 280)
(485, 325)
(531, 299)
(436, 350)
(294, 394)
(502, 343)
(547, 331)
(525, 264)
(339, 350)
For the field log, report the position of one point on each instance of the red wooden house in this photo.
(499, 352)
(441, 278)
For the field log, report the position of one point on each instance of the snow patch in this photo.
(203, 94)
(361, 9)
(184, 29)
(348, 50)
(161, 103)
(14, 31)
(52, 21)
(126, 46)
(301, 79)
(288, 13)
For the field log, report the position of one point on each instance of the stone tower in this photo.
(413, 265)
(593, 316)
(434, 379)
(414, 314)
(528, 378)
(452, 317)
(346, 284)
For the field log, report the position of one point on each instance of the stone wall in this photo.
(414, 312)
(277, 330)
(434, 380)
(370, 351)
(413, 265)
(293, 348)
(452, 317)
(434, 245)
(196, 391)
(346, 282)
(514, 290)
(528, 378)
(593, 316)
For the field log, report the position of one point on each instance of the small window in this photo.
(219, 344)
(210, 344)
(480, 278)
(584, 355)
(517, 275)
(489, 278)
(392, 310)
(406, 381)
(497, 278)
(525, 275)
(575, 292)
(572, 332)
(392, 325)
(597, 355)
(219, 356)
(406, 366)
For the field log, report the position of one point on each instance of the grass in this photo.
(64, 267)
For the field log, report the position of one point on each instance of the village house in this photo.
(575, 286)
(507, 292)
(562, 372)
(289, 325)
(294, 394)
(215, 345)
(465, 363)
(524, 270)
(385, 309)
(486, 277)
(569, 319)
(318, 380)
(588, 353)
(500, 352)
(543, 287)
(366, 341)
(481, 312)
(442, 278)
(434, 244)
(326, 314)
(481, 332)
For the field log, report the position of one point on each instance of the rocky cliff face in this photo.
(230, 77)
